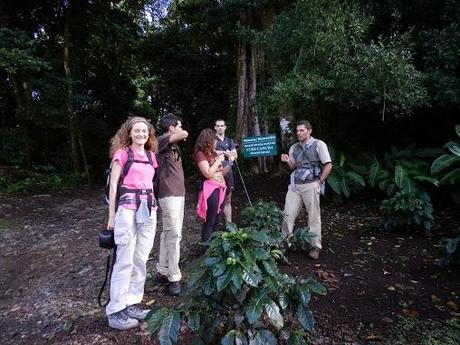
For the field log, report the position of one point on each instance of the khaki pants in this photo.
(172, 208)
(134, 243)
(308, 194)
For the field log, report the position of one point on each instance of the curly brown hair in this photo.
(122, 140)
(205, 142)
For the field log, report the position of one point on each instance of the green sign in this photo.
(262, 145)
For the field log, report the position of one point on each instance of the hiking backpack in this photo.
(124, 172)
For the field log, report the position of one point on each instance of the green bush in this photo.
(236, 295)
(448, 165)
(346, 177)
(404, 209)
(404, 176)
(42, 179)
(264, 216)
(35, 184)
(404, 170)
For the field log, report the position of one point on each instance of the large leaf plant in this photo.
(447, 166)
(346, 177)
(237, 295)
(404, 176)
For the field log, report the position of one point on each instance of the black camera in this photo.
(106, 239)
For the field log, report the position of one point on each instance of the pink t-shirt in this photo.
(140, 175)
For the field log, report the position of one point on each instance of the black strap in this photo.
(130, 162)
(108, 273)
(125, 171)
(149, 157)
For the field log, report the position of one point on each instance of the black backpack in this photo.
(124, 172)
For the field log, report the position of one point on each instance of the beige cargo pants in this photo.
(308, 194)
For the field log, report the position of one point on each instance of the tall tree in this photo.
(332, 60)
(19, 60)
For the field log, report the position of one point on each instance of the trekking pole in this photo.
(242, 181)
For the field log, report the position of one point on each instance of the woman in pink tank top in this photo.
(132, 218)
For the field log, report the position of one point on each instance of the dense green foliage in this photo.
(346, 177)
(236, 294)
(404, 176)
(448, 165)
(332, 60)
(344, 65)
(370, 76)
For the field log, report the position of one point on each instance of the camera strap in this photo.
(108, 273)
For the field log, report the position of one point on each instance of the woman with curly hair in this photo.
(212, 195)
(132, 216)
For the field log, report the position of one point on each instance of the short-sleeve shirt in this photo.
(201, 156)
(171, 172)
(321, 149)
(225, 144)
(140, 175)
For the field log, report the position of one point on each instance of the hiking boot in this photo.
(161, 279)
(174, 288)
(137, 313)
(120, 320)
(314, 253)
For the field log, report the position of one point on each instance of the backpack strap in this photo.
(131, 160)
(128, 163)
(149, 157)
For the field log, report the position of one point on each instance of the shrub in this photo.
(42, 179)
(449, 161)
(408, 209)
(346, 177)
(35, 184)
(236, 294)
(404, 176)
(268, 217)
(264, 216)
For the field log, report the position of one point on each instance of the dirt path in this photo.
(51, 269)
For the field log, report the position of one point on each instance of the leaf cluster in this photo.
(447, 166)
(264, 216)
(346, 177)
(237, 294)
(321, 51)
(403, 176)
(403, 209)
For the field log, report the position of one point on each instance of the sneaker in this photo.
(161, 279)
(174, 288)
(120, 320)
(314, 253)
(134, 312)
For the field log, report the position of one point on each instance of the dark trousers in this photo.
(212, 216)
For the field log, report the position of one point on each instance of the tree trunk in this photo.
(249, 60)
(85, 163)
(71, 116)
(20, 89)
(243, 97)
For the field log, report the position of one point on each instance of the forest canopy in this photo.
(72, 71)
